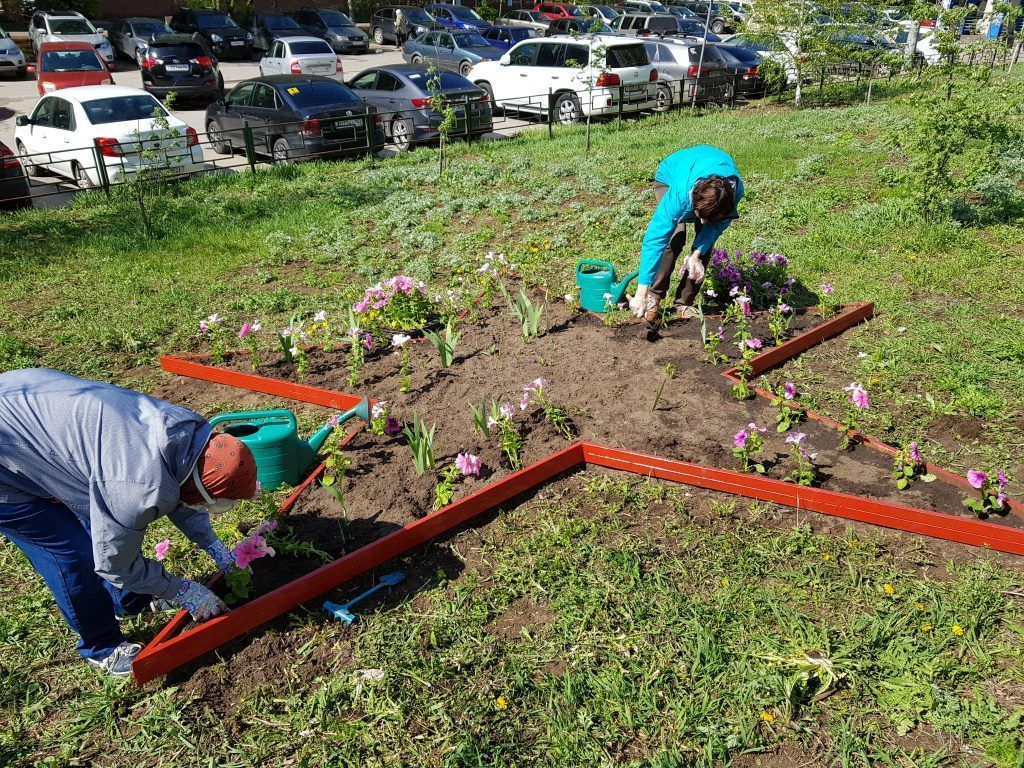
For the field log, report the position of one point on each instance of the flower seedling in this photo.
(857, 400)
(711, 340)
(804, 471)
(827, 305)
(290, 339)
(554, 415)
(509, 436)
(381, 421)
(445, 345)
(444, 491)
(481, 420)
(399, 303)
(993, 493)
(247, 333)
(526, 312)
(212, 329)
(746, 444)
(400, 341)
(421, 441)
(788, 415)
(239, 578)
(908, 466)
(670, 373)
(359, 343)
(779, 318)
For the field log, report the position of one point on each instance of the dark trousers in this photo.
(57, 543)
(686, 291)
(400, 38)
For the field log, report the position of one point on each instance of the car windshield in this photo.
(311, 46)
(280, 22)
(520, 34)
(658, 7)
(71, 27)
(469, 40)
(465, 14)
(572, 10)
(665, 24)
(215, 21)
(536, 15)
(897, 15)
(336, 19)
(621, 56)
(605, 10)
(118, 109)
(151, 28)
(317, 93)
(417, 15)
(70, 61)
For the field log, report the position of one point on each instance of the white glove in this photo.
(643, 302)
(693, 267)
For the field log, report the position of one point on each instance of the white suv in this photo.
(69, 25)
(573, 77)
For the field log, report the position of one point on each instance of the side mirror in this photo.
(22, 120)
(505, 60)
(100, 30)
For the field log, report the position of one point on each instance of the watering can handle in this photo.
(243, 415)
(594, 263)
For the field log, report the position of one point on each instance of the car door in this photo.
(516, 80)
(235, 111)
(67, 144)
(272, 63)
(262, 114)
(364, 85)
(40, 128)
(444, 51)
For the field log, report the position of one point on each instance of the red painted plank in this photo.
(209, 635)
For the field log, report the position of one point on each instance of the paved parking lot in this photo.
(18, 97)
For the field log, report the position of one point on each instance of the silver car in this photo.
(684, 74)
(533, 19)
(301, 56)
(11, 58)
(130, 37)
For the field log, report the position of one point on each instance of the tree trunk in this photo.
(799, 97)
(912, 38)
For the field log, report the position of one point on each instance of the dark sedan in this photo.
(401, 94)
(267, 27)
(294, 117)
(742, 66)
(504, 37)
(183, 65)
(14, 191)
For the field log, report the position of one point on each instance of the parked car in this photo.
(14, 189)
(69, 65)
(181, 64)
(382, 23)
(684, 75)
(723, 18)
(507, 36)
(558, 10)
(644, 24)
(604, 12)
(742, 66)
(223, 35)
(587, 77)
(268, 27)
(643, 6)
(66, 129)
(403, 97)
(532, 19)
(295, 117)
(770, 50)
(129, 37)
(456, 51)
(334, 27)
(11, 58)
(587, 25)
(301, 56)
(456, 16)
(685, 13)
(68, 26)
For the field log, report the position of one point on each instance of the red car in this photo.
(69, 64)
(559, 10)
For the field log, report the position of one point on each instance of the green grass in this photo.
(669, 641)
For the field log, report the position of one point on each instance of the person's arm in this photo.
(709, 234)
(673, 207)
(195, 524)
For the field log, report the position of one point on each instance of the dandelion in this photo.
(919, 606)
(858, 395)
(160, 550)
(957, 630)
(400, 339)
(889, 589)
(828, 289)
(976, 478)
(789, 390)
(826, 557)
(767, 717)
(500, 702)
(926, 627)
(468, 464)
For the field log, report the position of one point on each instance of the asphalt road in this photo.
(18, 97)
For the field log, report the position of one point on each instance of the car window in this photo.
(548, 54)
(280, 22)
(180, 51)
(515, 35)
(118, 109)
(309, 47)
(621, 56)
(522, 56)
(652, 52)
(365, 81)
(388, 82)
(445, 41)
(575, 56)
(429, 39)
(63, 117)
(149, 28)
(70, 61)
(465, 14)
(336, 19)
(276, 50)
(240, 96)
(71, 27)
(43, 113)
(263, 97)
(469, 40)
(317, 93)
(387, 13)
(215, 21)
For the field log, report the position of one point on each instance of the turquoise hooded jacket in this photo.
(679, 172)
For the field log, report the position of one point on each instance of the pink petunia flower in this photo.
(506, 411)
(203, 327)
(740, 438)
(536, 385)
(368, 341)
(744, 302)
(915, 453)
(468, 464)
(976, 478)
(754, 428)
(160, 550)
(245, 330)
(828, 289)
(379, 409)
(753, 343)
(858, 395)
(1002, 479)
(789, 390)
(785, 309)
(266, 526)
(796, 438)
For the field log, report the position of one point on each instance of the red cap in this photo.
(226, 469)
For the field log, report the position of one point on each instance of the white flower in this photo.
(214, 319)
(861, 355)
(320, 316)
(256, 326)
(379, 409)
(901, 329)
(293, 351)
(400, 339)
(569, 298)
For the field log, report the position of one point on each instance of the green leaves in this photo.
(445, 345)
(421, 441)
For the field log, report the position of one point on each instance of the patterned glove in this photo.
(199, 601)
(222, 556)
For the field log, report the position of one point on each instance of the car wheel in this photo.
(281, 153)
(718, 26)
(567, 109)
(378, 36)
(81, 177)
(484, 86)
(663, 99)
(401, 134)
(416, 59)
(464, 67)
(216, 138)
(32, 171)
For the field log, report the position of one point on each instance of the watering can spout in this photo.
(361, 411)
(619, 289)
(318, 439)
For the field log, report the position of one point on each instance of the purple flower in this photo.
(506, 410)
(333, 421)
(915, 453)
(711, 293)
(368, 341)
(858, 395)
(720, 333)
(391, 426)
(740, 438)
(525, 401)
(245, 330)
(468, 464)
(784, 309)
(1002, 500)
(781, 260)
(1002, 479)
(536, 385)
(744, 302)
(203, 327)
(754, 428)
(976, 478)
(796, 438)
(753, 343)
(828, 289)
(789, 390)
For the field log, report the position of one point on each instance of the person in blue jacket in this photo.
(85, 467)
(700, 186)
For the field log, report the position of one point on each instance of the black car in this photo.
(402, 96)
(382, 23)
(741, 64)
(14, 191)
(334, 27)
(181, 64)
(723, 18)
(267, 27)
(225, 38)
(294, 117)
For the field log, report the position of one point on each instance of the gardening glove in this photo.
(222, 556)
(693, 268)
(643, 302)
(199, 601)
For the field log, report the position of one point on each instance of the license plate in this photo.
(177, 67)
(238, 42)
(348, 123)
(635, 88)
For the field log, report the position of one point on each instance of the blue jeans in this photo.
(57, 543)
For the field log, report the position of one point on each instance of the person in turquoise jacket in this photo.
(699, 185)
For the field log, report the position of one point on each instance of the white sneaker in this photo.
(118, 663)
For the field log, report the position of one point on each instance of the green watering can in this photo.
(595, 279)
(273, 437)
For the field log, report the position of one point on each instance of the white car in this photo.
(70, 130)
(301, 56)
(11, 58)
(69, 26)
(564, 74)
